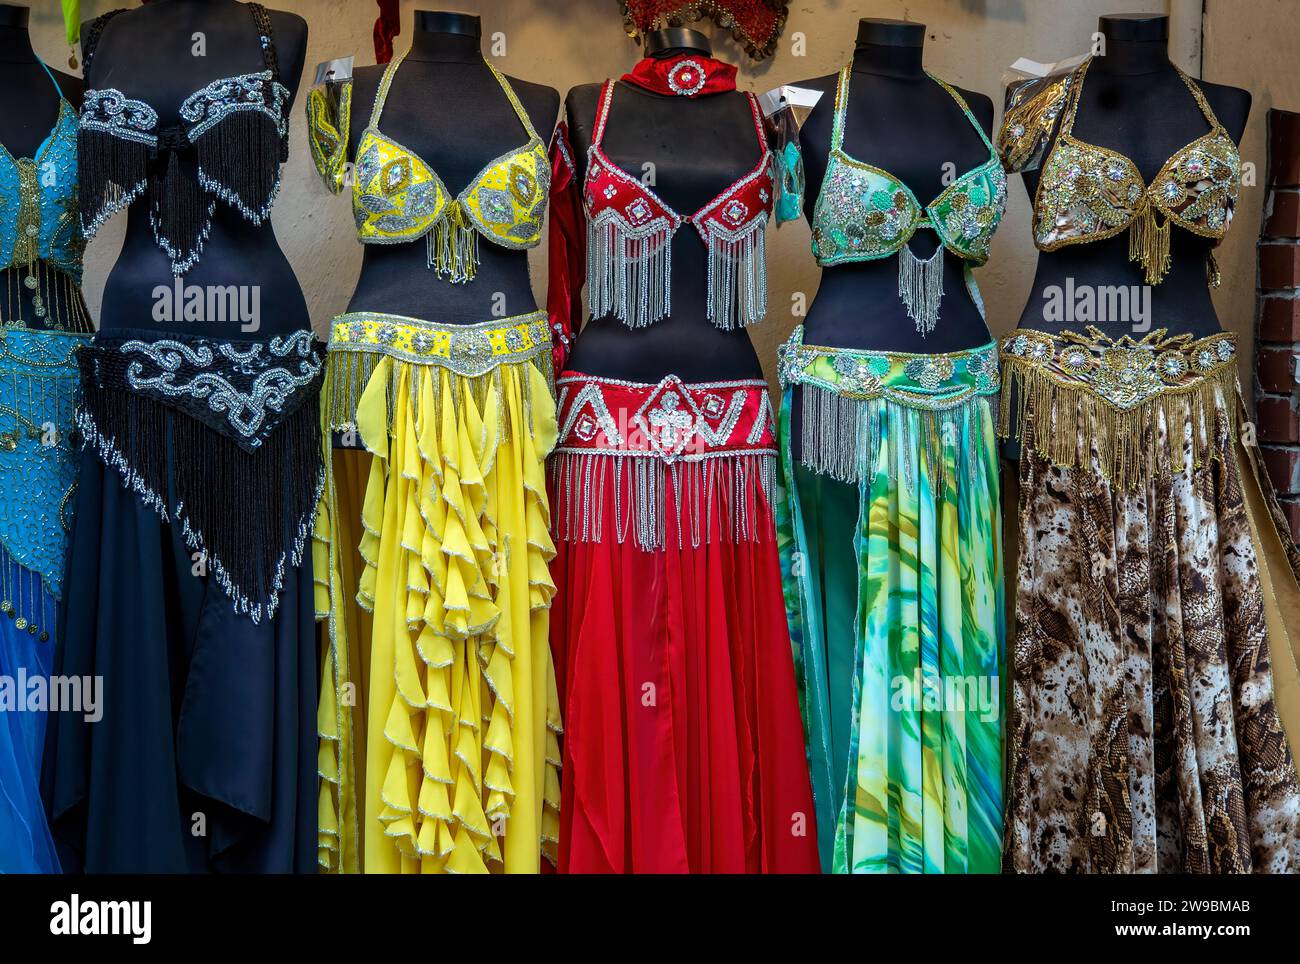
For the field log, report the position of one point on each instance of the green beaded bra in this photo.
(864, 213)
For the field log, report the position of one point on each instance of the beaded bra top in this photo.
(864, 213)
(39, 197)
(398, 197)
(630, 230)
(1088, 192)
(228, 147)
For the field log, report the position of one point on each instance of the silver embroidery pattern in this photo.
(207, 107)
(160, 369)
(111, 112)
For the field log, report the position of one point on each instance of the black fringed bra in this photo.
(236, 129)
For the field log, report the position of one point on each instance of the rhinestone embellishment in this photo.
(687, 78)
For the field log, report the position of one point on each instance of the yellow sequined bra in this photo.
(397, 197)
(1087, 192)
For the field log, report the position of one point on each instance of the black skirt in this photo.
(203, 755)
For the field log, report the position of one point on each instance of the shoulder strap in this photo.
(602, 114)
(841, 106)
(1071, 108)
(262, 21)
(965, 109)
(514, 101)
(385, 82)
(758, 121)
(91, 40)
(1201, 102)
(53, 80)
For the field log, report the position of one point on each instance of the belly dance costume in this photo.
(432, 559)
(198, 484)
(891, 544)
(682, 747)
(41, 246)
(1153, 682)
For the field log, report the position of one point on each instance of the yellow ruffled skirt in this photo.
(439, 713)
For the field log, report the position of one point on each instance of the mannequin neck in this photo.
(888, 60)
(1129, 57)
(441, 47)
(15, 44)
(668, 53)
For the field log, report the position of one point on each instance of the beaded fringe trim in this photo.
(629, 272)
(453, 246)
(737, 285)
(247, 548)
(841, 437)
(1064, 416)
(726, 487)
(920, 287)
(1148, 244)
(347, 373)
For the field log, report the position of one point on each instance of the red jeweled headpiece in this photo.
(756, 24)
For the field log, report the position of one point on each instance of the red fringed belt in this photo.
(686, 464)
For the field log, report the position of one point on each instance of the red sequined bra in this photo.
(629, 232)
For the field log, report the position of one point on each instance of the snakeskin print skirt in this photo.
(1153, 680)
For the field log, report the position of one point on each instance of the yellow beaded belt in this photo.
(466, 349)
(360, 339)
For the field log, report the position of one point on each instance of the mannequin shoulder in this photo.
(580, 106)
(825, 84)
(1230, 104)
(107, 24)
(365, 87)
(542, 103)
(981, 105)
(290, 29)
(290, 33)
(73, 87)
(818, 121)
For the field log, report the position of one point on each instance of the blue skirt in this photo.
(25, 842)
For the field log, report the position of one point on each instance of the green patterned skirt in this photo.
(891, 549)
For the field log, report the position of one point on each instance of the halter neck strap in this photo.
(53, 80)
(1076, 93)
(842, 101)
(386, 82)
(602, 114)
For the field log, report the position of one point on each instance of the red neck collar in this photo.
(685, 75)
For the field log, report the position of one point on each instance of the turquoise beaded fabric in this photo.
(864, 213)
(38, 469)
(38, 197)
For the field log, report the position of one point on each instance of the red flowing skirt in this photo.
(683, 743)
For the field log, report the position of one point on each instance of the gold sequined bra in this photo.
(1087, 192)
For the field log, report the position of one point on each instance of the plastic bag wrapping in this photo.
(329, 118)
(784, 111)
(1036, 93)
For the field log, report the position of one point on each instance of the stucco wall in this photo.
(566, 42)
(1253, 45)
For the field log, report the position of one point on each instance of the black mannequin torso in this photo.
(1134, 102)
(455, 135)
(901, 121)
(31, 111)
(699, 147)
(236, 252)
